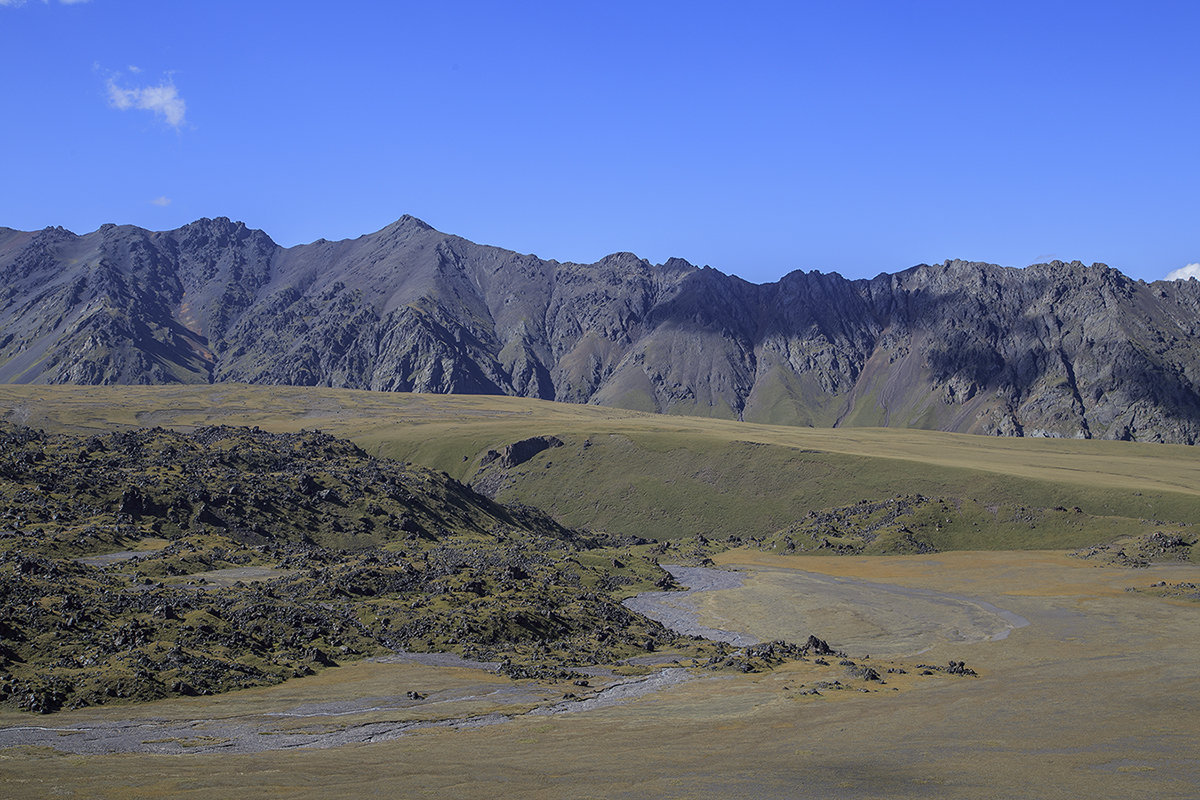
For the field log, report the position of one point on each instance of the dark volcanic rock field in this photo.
(244, 558)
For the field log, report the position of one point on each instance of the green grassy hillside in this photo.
(672, 476)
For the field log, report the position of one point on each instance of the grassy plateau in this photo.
(667, 477)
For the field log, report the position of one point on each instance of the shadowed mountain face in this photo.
(1053, 349)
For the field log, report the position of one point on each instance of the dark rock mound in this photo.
(519, 452)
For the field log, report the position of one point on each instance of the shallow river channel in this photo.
(889, 618)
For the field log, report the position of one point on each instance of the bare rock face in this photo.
(1055, 349)
(517, 453)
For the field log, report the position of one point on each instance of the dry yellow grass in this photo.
(1095, 698)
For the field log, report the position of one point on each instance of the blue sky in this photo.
(758, 138)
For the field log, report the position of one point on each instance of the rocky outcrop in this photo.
(1059, 349)
(145, 564)
(519, 452)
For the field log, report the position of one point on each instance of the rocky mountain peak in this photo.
(409, 221)
(623, 262)
(677, 265)
(1057, 349)
(405, 225)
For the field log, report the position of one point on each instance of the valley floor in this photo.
(1094, 697)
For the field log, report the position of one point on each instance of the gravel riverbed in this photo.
(675, 610)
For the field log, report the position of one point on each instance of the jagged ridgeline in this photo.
(1050, 350)
(148, 563)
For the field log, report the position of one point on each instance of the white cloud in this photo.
(1183, 273)
(161, 201)
(13, 3)
(163, 100)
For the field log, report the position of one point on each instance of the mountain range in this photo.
(1058, 349)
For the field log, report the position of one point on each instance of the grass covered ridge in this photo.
(668, 477)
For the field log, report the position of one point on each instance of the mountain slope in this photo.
(1054, 349)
